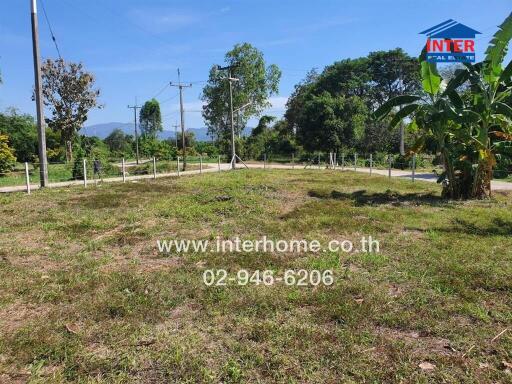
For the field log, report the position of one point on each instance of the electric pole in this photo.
(182, 113)
(41, 134)
(135, 107)
(176, 125)
(231, 80)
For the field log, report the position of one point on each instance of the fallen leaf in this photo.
(72, 328)
(426, 366)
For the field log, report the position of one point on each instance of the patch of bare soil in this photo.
(33, 249)
(418, 343)
(16, 315)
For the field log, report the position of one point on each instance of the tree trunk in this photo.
(483, 177)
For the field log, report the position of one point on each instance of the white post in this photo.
(342, 161)
(355, 162)
(293, 161)
(219, 162)
(264, 161)
(27, 178)
(371, 163)
(413, 167)
(200, 163)
(178, 161)
(154, 167)
(389, 166)
(85, 173)
(123, 169)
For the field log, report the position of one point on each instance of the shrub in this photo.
(7, 158)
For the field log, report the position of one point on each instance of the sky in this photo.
(135, 47)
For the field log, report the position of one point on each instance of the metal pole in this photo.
(371, 163)
(41, 134)
(178, 160)
(135, 107)
(182, 114)
(85, 173)
(413, 167)
(123, 168)
(154, 167)
(389, 166)
(27, 178)
(200, 163)
(233, 151)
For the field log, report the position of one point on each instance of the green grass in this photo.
(86, 297)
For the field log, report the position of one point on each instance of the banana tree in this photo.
(432, 113)
(469, 131)
(485, 116)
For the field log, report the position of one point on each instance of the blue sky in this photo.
(134, 47)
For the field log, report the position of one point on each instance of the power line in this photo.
(51, 30)
(169, 99)
(161, 91)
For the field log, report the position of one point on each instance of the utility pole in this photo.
(41, 134)
(176, 134)
(135, 107)
(231, 80)
(182, 113)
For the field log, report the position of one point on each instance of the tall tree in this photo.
(69, 93)
(151, 118)
(256, 83)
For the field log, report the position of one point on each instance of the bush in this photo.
(7, 158)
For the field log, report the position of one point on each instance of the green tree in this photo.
(190, 140)
(69, 93)
(22, 133)
(7, 158)
(329, 123)
(256, 83)
(151, 118)
(119, 143)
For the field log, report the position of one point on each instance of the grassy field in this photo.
(85, 296)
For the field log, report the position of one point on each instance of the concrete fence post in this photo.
(293, 161)
(342, 161)
(85, 173)
(319, 167)
(335, 160)
(123, 169)
(355, 162)
(413, 167)
(390, 160)
(218, 162)
(200, 163)
(264, 161)
(371, 163)
(178, 161)
(27, 178)
(154, 167)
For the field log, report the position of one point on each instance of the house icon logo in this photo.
(450, 42)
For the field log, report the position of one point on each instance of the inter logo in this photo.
(450, 42)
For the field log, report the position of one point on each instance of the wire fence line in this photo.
(86, 171)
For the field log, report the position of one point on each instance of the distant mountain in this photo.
(103, 130)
